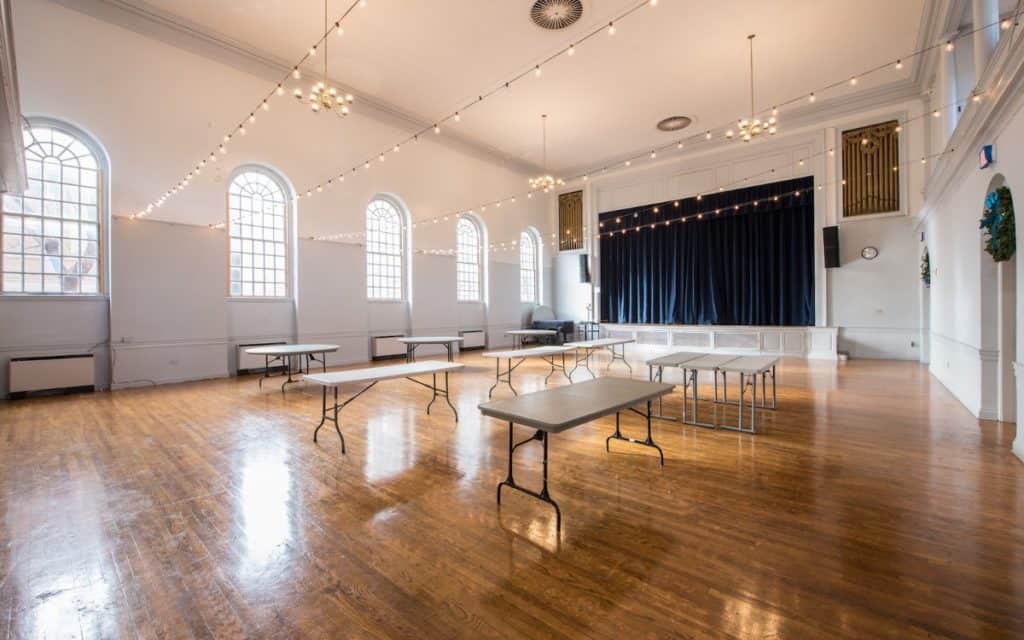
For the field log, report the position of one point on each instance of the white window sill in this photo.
(52, 297)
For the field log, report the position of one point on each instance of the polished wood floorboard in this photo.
(872, 505)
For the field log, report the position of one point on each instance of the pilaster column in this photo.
(984, 12)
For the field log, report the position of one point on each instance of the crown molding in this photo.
(141, 18)
(12, 147)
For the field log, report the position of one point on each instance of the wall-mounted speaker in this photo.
(830, 237)
(584, 268)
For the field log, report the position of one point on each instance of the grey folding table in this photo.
(756, 366)
(288, 355)
(411, 344)
(550, 355)
(519, 334)
(373, 375)
(708, 362)
(749, 368)
(557, 410)
(590, 346)
(656, 371)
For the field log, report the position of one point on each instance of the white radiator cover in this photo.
(47, 373)
(386, 346)
(474, 339)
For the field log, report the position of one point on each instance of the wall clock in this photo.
(869, 253)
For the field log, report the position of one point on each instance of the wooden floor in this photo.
(871, 506)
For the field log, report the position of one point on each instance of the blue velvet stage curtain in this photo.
(752, 263)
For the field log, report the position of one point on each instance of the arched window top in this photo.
(385, 250)
(468, 259)
(529, 267)
(52, 234)
(258, 230)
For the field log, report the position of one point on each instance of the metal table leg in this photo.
(336, 408)
(504, 376)
(649, 442)
(437, 391)
(510, 480)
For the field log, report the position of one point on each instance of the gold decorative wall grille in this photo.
(570, 221)
(871, 176)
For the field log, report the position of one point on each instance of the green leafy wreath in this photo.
(1000, 229)
(926, 270)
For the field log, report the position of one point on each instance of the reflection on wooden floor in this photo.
(871, 506)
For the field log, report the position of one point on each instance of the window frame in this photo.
(102, 204)
(531, 235)
(289, 212)
(478, 263)
(402, 252)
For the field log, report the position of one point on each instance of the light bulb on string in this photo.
(611, 28)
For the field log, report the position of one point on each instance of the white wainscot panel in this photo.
(145, 364)
(805, 342)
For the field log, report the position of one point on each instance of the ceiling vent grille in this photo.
(556, 14)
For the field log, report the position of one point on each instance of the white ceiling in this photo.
(686, 57)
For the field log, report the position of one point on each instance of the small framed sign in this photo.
(985, 157)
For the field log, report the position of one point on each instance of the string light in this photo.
(611, 28)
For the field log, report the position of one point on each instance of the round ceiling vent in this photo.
(556, 14)
(674, 123)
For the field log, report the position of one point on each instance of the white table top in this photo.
(368, 374)
(565, 407)
(709, 361)
(527, 353)
(291, 349)
(750, 364)
(600, 342)
(674, 359)
(430, 339)
(531, 332)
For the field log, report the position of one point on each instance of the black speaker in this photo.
(830, 235)
(584, 268)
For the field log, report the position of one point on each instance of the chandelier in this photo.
(322, 96)
(750, 128)
(545, 182)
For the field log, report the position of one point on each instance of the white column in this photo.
(947, 96)
(984, 12)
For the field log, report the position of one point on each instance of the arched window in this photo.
(258, 231)
(52, 234)
(385, 251)
(529, 267)
(468, 260)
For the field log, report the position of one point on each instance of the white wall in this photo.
(157, 109)
(874, 305)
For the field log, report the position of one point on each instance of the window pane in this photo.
(42, 254)
(384, 251)
(256, 204)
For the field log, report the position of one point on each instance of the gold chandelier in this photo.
(750, 128)
(545, 182)
(322, 96)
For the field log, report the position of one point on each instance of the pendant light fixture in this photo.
(752, 126)
(545, 182)
(322, 96)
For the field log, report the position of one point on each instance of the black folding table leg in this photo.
(510, 482)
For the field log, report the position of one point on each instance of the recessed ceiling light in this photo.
(556, 14)
(674, 123)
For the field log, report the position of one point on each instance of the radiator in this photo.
(248, 363)
(50, 373)
(473, 339)
(386, 347)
